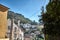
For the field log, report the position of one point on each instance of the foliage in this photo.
(34, 23)
(51, 18)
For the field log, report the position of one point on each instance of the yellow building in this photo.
(3, 21)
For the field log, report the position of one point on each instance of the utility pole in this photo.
(12, 19)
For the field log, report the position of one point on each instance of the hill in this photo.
(18, 16)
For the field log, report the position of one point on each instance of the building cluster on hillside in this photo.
(23, 31)
(33, 33)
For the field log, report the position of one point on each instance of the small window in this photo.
(15, 35)
(15, 29)
(20, 37)
(9, 27)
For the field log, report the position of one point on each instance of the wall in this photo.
(5, 39)
(3, 23)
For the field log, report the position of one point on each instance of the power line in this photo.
(43, 3)
(34, 14)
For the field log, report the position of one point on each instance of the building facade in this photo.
(3, 20)
(17, 32)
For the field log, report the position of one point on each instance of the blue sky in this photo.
(29, 8)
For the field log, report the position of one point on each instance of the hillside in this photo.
(18, 16)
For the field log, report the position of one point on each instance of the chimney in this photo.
(18, 23)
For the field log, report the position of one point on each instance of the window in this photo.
(15, 29)
(15, 35)
(8, 34)
(20, 37)
(9, 27)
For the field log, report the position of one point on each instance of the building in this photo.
(17, 31)
(27, 37)
(27, 26)
(3, 20)
(40, 27)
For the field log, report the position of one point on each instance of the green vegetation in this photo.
(18, 16)
(34, 23)
(51, 20)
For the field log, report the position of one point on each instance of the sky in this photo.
(29, 8)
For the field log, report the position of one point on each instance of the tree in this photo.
(18, 16)
(34, 23)
(51, 19)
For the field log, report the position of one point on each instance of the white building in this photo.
(17, 31)
(27, 26)
(41, 26)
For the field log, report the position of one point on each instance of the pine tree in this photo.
(51, 19)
